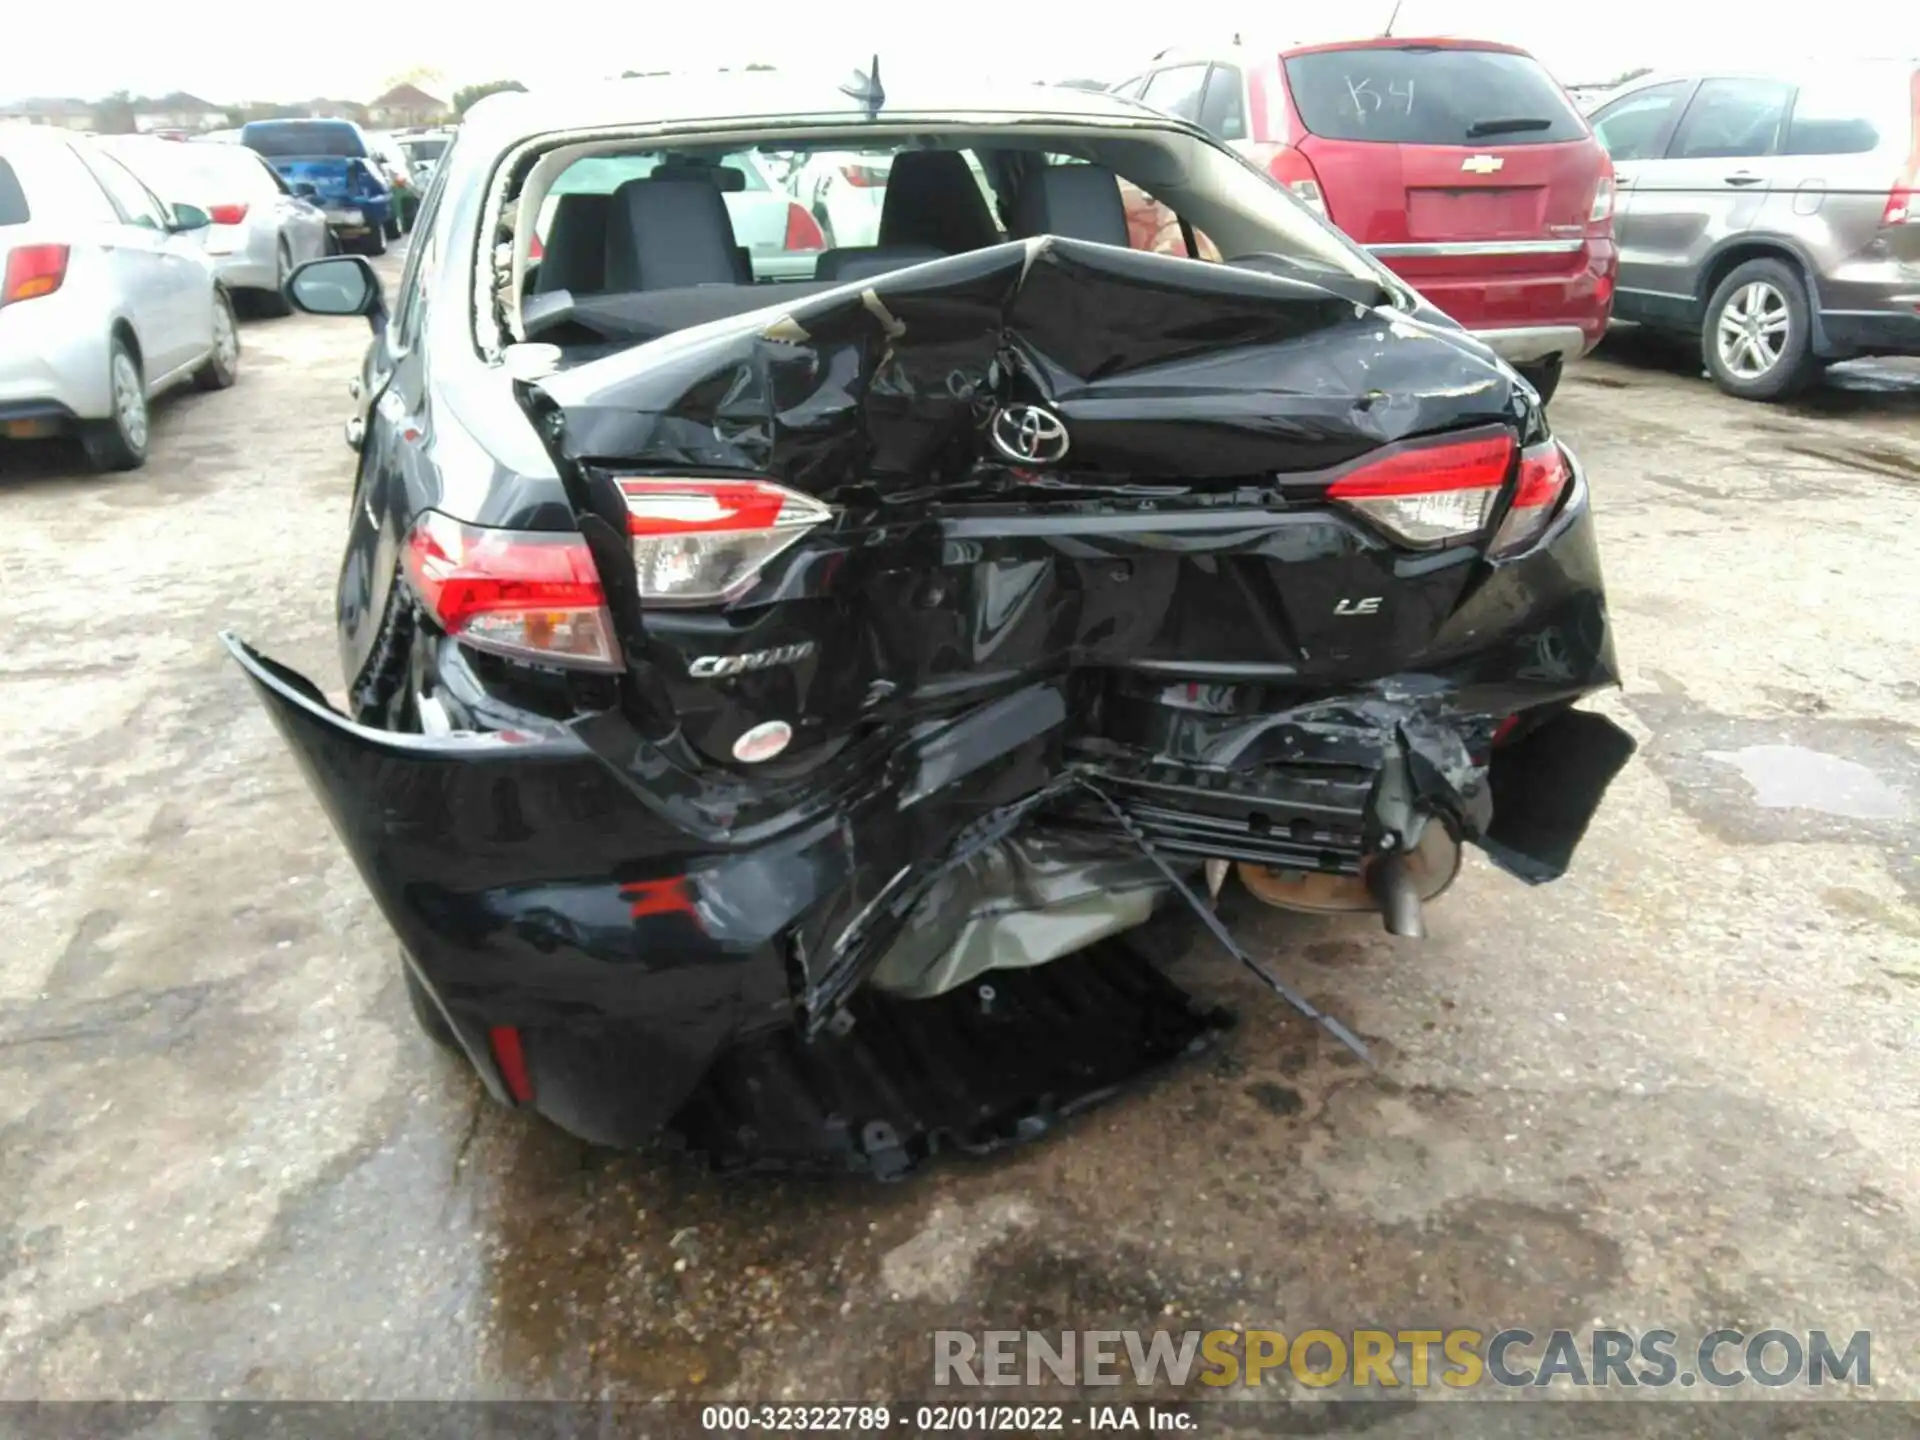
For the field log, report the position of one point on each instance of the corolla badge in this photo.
(1029, 435)
(715, 667)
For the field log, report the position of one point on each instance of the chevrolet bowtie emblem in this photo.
(1482, 164)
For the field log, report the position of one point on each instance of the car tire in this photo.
(120, 441)
(1757, 340)
(333, 245)
(274, 303)
(374, 242)
(1543, 375)
(426, 1013)
(223, 365)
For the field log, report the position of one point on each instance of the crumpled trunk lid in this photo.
(1182, 534)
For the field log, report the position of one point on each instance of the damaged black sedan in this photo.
(778, 692)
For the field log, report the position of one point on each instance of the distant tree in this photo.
(758, 66)
(465, 97)
(642, 74)
(1626, 75)
(114, 115)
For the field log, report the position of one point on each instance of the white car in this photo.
(261, 229)
(844, 190)
(107, 297)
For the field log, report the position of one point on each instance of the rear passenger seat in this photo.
(664, 234)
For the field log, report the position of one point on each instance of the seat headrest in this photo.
(1080, 202)
(666, 233)
(932, 199)
(574, 254)
(862, 262)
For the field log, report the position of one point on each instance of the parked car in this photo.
(332, 158)
(781, 239)
(423, 151)
(259, 228)
(1459, 163)
(107, 298)
(812, 670)
(396, 170)
(1775, 219)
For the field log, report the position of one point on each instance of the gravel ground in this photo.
(1676, 1089)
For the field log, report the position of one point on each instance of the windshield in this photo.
(292, 139)
(1427, 95)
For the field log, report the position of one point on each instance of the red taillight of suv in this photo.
(1441, 492)
(32, 271)
(1601, 212)
(527, 594)
(701, 542)
(227, 214)
(1293, 170)
(803, 231)
(1903, 200)
(864, 176)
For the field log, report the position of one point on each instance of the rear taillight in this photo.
(530, 594)
(803, 231)
(698, 542)
(1293, 170)
(865, 176)
(227, 214)
(1903, 200)
(1544, 477)
(535, 249)
(1430, 494)
(1602, 209)
(33, 270)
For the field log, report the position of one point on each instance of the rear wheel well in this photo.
(1724, 264)
(124, 332)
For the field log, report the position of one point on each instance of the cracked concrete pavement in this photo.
(1678, 1088)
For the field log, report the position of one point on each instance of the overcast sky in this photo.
(349, 52)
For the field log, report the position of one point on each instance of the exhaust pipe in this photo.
(1390, 879)
(1396, 883)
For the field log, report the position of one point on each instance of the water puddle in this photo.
(1792, 777)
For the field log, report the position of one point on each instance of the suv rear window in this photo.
(1427, 95)
(13, 200)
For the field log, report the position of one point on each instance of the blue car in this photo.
(328, 162)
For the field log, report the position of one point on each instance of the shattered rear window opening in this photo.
(813, 210)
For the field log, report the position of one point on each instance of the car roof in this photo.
(776, 96)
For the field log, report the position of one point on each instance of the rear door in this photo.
(1716, 176)
(1634, 130)
(165, 284)
(1447, 161)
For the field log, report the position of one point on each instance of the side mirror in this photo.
(339, 285)
(189, 217)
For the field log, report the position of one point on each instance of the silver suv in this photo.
(1777, 217)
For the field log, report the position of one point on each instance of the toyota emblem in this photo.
(1029, 435)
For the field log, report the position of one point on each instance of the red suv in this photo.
(1459, 163)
